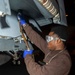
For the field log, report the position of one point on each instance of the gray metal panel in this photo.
(11, 45)
(35, 10)
(44, 21)
(28, 6)
(13, 30)
(62, 12)
(5, 7)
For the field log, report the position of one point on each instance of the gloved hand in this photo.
(26, 52)
(21, 19)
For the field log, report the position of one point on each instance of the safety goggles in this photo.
(50, 38)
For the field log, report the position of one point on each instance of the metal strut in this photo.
(23, 36)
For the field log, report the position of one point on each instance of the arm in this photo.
(36, 39)
(33, 36)
(57, 66)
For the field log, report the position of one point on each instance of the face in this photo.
(51, 40)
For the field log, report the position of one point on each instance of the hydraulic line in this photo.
(50, 7)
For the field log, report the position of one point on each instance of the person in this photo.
(57, 59)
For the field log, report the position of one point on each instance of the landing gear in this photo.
(16, 57)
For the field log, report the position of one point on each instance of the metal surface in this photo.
(35, 10)
(4, 58)
(12, 45)
(13, 30)
(5, 7)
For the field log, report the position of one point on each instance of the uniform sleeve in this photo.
(36, 39)
(56, 67)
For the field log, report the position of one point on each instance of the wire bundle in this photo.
(49, 6)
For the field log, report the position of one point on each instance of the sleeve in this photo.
(56, 67)
(36, 39)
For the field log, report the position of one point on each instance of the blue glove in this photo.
(26, 52)
(21, 19)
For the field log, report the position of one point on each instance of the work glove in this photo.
(26, 52)
(21, 19)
